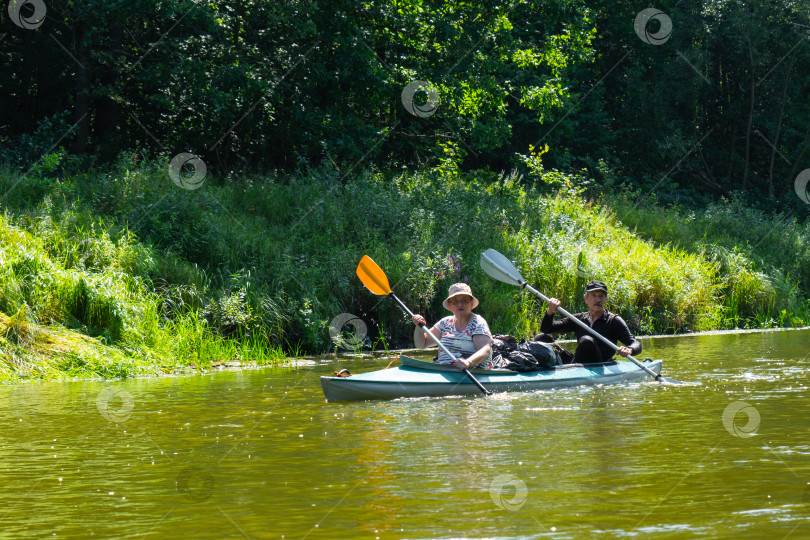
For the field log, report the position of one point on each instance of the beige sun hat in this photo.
(458, 289)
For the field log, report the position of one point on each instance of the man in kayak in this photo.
(465, 334)
(591, 350)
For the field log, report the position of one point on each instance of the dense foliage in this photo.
(268, 84)
(716, 104)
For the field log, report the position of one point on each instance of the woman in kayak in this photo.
(465, 334)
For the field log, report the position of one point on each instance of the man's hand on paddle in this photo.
(553, 304)
(624, 351)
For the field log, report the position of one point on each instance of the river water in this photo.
(259, 454)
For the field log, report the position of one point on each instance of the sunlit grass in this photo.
(248, 269)
(763, 262)
(84, 304)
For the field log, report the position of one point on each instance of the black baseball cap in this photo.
(596, 286)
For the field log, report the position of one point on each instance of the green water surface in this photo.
(259, 454)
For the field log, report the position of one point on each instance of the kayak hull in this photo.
(423, 379)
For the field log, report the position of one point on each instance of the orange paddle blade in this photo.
(372, 276)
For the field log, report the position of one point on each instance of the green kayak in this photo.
(420, 379)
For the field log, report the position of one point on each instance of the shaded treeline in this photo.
(719, 105)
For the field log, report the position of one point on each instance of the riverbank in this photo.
(29, 351)
(53, 353)
(162, 279)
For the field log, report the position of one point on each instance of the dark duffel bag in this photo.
(522, 356)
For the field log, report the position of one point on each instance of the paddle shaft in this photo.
(440, 344)
(593, 332)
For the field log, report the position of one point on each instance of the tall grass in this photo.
(250, 267)
(763, 262)
(64, 269)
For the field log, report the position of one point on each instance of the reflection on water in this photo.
(259, 454)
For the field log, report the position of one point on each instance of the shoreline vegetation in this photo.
(120, 273)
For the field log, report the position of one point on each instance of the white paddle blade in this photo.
(500, 268)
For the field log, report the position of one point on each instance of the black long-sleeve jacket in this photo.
(609, 325)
